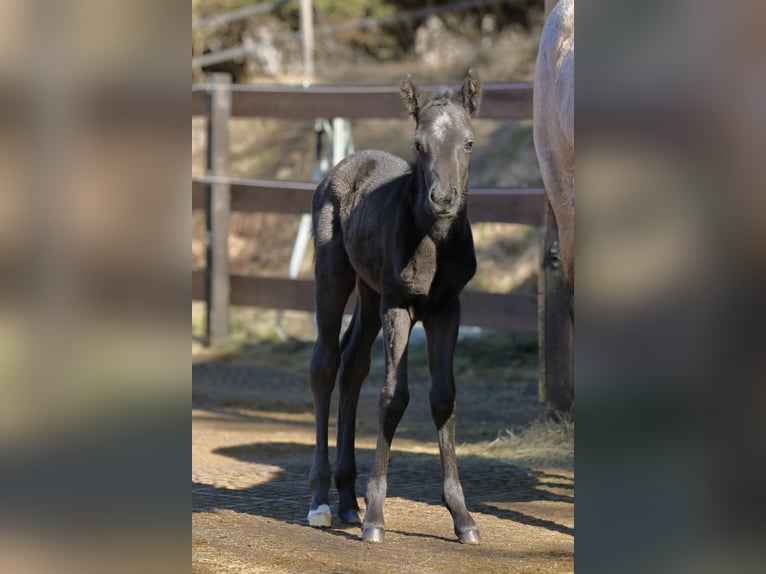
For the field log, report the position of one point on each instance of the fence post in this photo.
(307, 39)
(555, 327)
(218, 209)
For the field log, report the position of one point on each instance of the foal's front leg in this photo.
(397, 324)
(441, 334)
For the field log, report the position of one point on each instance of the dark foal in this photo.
(399, 232)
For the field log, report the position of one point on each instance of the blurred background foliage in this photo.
(386, 41)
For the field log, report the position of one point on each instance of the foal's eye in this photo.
(419, 147)
(468, 146)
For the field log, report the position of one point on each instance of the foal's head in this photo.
(443, 142)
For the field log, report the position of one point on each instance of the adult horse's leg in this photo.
(334, 278)
(394, 397)
(355, 365)
(556, 170)
(441, 333)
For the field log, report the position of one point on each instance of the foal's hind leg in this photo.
(334, 282)
(441, 333)
(355, 365)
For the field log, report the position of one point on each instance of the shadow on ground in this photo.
(268, 390)
(489, 485)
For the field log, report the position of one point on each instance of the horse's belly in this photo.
(365, 254)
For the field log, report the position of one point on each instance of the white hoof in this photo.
(321, 517)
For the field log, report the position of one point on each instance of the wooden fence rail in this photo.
(499, 101)
(219, 195)
(501, 205)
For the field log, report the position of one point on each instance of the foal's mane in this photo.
(441, 96)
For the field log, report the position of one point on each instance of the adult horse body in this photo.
(399, 232)
(553, 113)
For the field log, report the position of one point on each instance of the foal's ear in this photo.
(411, 96)
(470, 93)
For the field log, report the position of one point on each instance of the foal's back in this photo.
(353, 208)
(360, 183)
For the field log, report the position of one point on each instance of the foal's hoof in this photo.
(374, 534)
(470, 536)
(349, 516)
(320, 517)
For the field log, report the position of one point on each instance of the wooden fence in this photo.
(218, 195)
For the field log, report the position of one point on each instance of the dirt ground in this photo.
(252, 445)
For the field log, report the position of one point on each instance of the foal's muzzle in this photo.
(444, 203)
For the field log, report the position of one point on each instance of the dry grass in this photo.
(543, 443)
(249, 326)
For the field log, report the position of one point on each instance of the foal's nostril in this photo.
(441, 199)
